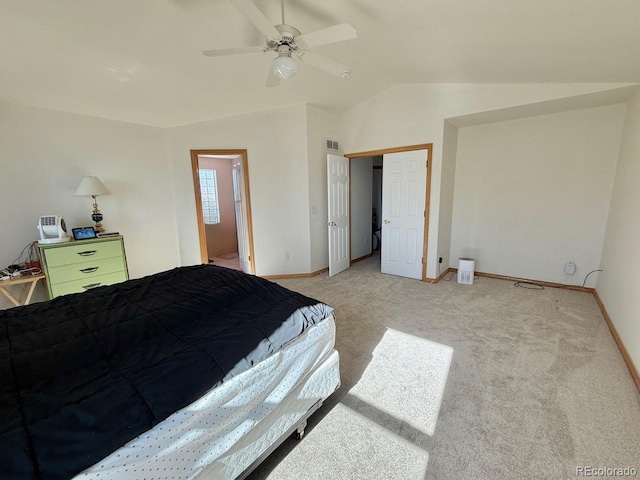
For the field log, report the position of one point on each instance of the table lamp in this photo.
(92, 187)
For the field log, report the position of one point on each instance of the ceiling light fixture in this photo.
(283, 65)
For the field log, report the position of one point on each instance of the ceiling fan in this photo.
(289, 42)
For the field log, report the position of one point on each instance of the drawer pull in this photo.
(87, 253)
(91, 285)
(89, 269)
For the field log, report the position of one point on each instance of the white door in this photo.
(241, 217)
(338, 224)
(404, 176)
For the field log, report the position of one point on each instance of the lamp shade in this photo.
(91, 186)
(284, 66)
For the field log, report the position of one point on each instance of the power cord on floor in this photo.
(587, 276)
(537, 286)
(529, 285)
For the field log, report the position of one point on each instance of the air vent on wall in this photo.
(332, 144)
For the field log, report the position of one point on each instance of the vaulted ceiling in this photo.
(141, 60)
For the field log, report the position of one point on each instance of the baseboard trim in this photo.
(295, 275)
(623, 350)
(311, 274)
(351, 262)
(441, 276)
(539, 282)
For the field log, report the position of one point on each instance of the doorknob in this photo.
(387, 221)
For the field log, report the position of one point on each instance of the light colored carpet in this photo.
(536, 386)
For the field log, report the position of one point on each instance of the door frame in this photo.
(429, 148)
(204, 258)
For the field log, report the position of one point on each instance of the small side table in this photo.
(28, 283)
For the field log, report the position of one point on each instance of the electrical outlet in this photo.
(366, 240)
(570, 267)
(285, 256)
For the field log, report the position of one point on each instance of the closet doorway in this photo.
(403, 219)
(223, 208)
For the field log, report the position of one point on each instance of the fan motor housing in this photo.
(288, 33)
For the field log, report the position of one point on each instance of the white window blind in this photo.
(209, 196)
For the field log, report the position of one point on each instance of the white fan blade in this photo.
(337, 33)
(255, 16)
(272, 80)
(232, 51)
(325, 64)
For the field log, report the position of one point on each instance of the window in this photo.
(209, 196)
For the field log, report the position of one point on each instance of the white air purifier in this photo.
(52, 229)
(466, 270)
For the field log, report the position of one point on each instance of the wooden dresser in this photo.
(78, 266)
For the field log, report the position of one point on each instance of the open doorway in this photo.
(223, 209)
(376, 207)
(406, 218)
(365, 202)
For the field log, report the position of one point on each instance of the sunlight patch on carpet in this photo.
(406, 379)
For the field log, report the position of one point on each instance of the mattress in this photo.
(222, 433)
(84, 374)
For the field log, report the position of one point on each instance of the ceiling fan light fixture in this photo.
(284, 66)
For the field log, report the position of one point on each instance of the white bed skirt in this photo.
(222, 433)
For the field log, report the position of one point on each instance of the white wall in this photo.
(415, 113)
(533, 193)
(43, 156)
(361, 171)
(154, 206)
(320, 126)
(618, 285)
(276, 144)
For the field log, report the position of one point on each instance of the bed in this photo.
(197, 372)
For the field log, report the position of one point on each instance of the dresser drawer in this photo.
(86, 270)
(83, 285)
(79, 266)
(82, 253)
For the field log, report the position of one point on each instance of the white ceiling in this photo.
(141, 60)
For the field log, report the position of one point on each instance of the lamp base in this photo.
(96, 216)
(98, 228)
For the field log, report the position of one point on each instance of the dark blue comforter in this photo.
(83, 374)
